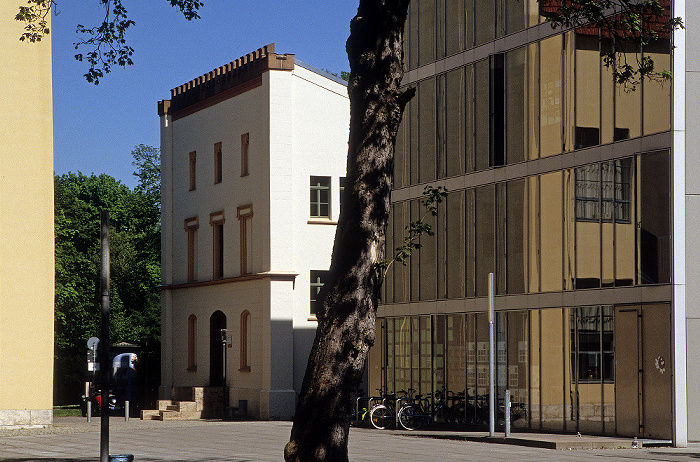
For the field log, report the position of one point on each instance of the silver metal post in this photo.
(507, 413)
(126, 410)
(105, 366)
(492, 364)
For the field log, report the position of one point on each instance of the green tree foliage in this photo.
(135, 265)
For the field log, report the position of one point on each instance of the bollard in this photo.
(126, 410)
(506, 411)
(89, 410)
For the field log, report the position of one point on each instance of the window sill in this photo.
(321, 221)
(312, 318)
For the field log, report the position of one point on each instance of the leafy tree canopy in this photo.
(135, 264)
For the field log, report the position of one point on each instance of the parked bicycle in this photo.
(414, 413)
(384, 415)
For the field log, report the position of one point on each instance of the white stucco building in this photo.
(253, 157)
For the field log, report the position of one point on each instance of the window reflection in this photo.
(550, 96)
(587, 129)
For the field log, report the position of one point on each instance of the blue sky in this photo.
(96, 127)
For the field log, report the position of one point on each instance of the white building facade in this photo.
(253, 156)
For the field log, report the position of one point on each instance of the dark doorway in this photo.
(217, 321)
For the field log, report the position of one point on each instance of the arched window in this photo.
(192, 343)
(245, 346)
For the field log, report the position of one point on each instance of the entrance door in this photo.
(217, 321)
(643, 388)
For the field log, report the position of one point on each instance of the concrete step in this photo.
(163, 404)
(173, 410)
(150, 415)
(177, 415)
(186, 406)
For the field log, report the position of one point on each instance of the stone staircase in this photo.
(173, 410)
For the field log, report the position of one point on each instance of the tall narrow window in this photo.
(245, 143)
(217, 226)
(192, 343)
(193, 170)
(497, 88)
(245, 220)
(244, 345)
(191, 226)
(320, 197)
(218, 163)
(318, 279)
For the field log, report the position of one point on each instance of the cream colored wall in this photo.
(26, 226)
(232, 300)
(224, 122)
(298, 126)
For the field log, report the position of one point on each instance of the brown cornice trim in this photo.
(218, 98)
(164, 107)
(233, 280)
(217, 85)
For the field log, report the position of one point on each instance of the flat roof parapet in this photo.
(237, 72)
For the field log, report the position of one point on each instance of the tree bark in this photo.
(346, 321)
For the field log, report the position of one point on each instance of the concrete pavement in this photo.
(72, 439)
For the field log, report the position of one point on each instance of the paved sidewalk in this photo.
(72, 439)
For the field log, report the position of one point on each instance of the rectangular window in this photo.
(193, 170)
(245, 143)
(217, 163)
(217, 225)
(245, 220)
(603, 191)
(318, 279)
(497, 109)
(191, 226)
(592, 343)
(192, 343)
(320, 197)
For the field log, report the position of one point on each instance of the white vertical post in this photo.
(506, 413)
(492, 364)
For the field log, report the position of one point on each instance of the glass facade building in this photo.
(561, 183)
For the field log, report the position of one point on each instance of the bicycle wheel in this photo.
(380, 417)
(409, 417)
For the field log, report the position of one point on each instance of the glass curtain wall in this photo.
(538, 100)
(558, 363)
(599, 225)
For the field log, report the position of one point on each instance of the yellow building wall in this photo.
(26, 226)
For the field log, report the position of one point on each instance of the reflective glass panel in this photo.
(456, 244)
(654, 218)
(485, 237)
(517, 237)
(551, 233)
(628, 103)
(427, 136)
(516, 104)
(551, 96)
(587, 125)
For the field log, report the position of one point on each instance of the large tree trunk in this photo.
(346, 322)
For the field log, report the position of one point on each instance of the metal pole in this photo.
(224, 412)
(105, 369)
(492, 364)
(507, 413)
